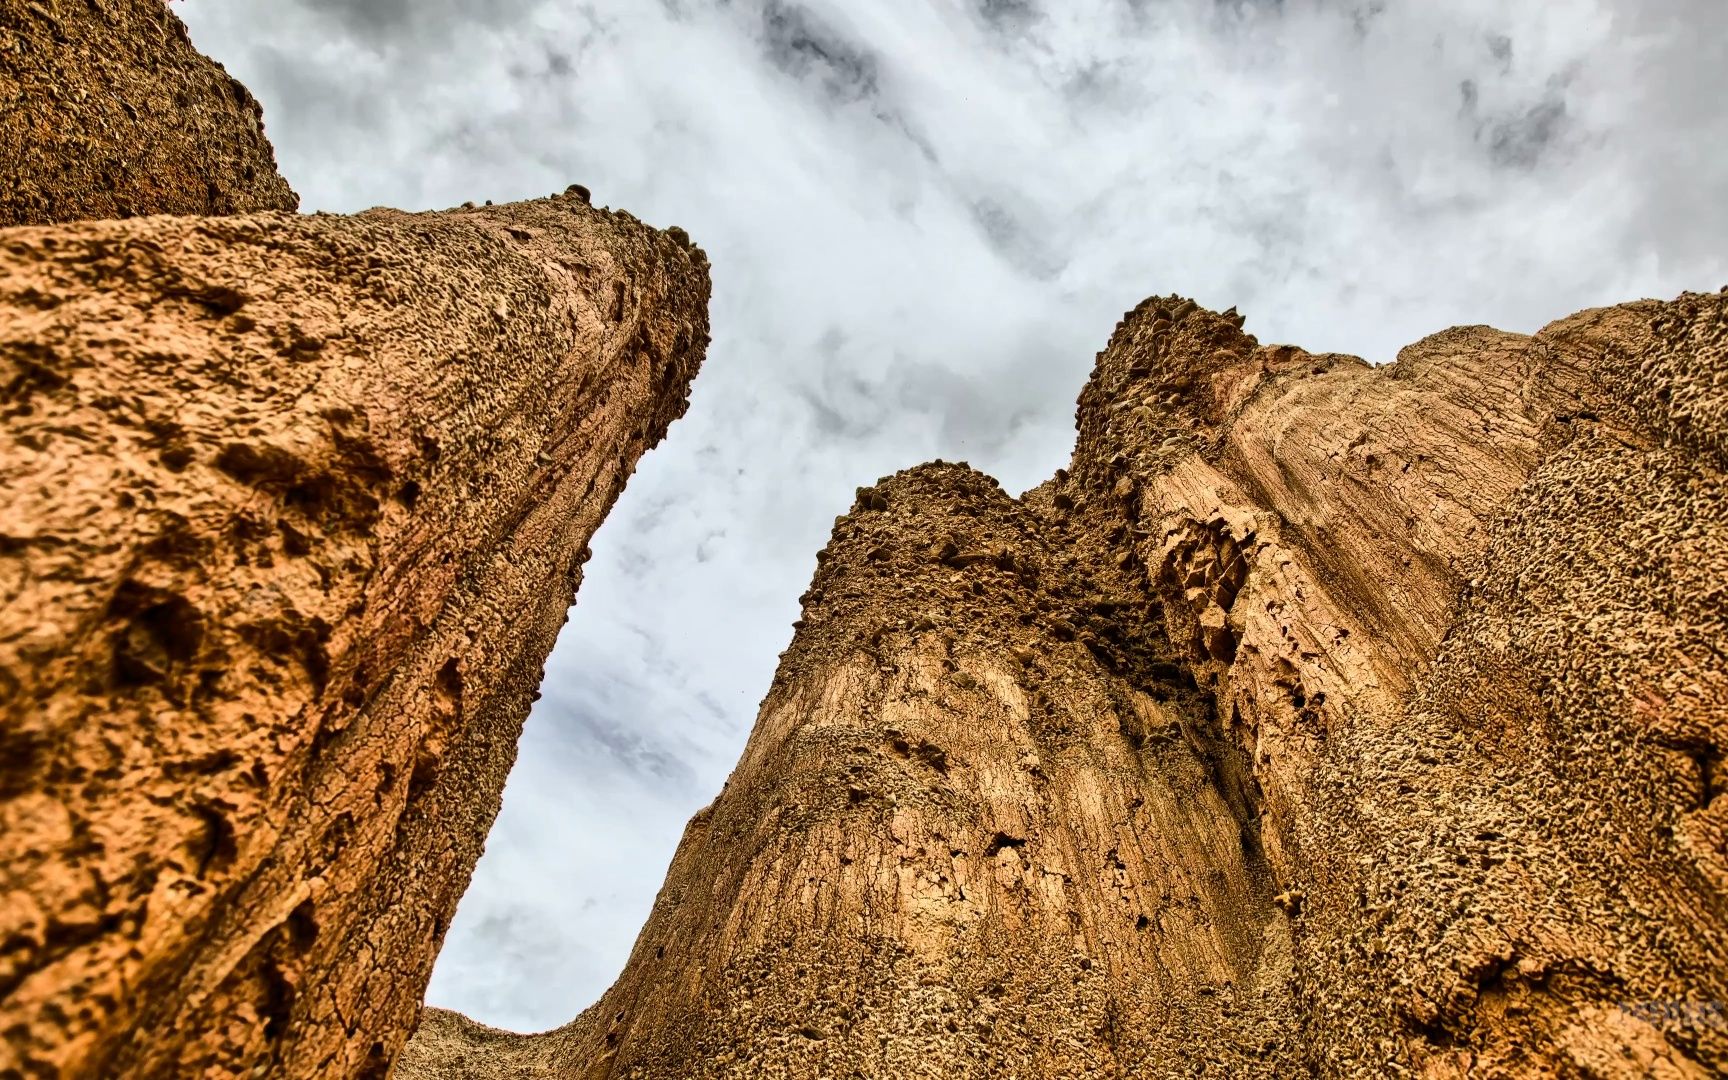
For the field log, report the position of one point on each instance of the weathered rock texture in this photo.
(1468, 615)
(107, 111)
(1321, 719)
(294, 510)
(977, 827)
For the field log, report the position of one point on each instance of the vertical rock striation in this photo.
(1466, 613)
(107, 111)
(295, 507)
(980, 828)
(1321, 718)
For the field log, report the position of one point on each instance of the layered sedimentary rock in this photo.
(294, 509)
(107, 111)
(1320, 719)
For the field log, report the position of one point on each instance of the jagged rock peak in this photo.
(973, 730)
(1172, 373)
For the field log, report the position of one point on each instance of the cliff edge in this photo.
(296, 508)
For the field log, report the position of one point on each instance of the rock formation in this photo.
(1473, 644)
(107, 111)
(970, 831)
(294, 509)
(1320, 719)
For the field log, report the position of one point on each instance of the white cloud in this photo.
(924, 217)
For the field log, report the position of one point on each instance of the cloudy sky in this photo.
(925, 216)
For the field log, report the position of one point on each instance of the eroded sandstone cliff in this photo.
(978, 827)
(1467, 613)
(294, 509)
(1319, 719)
(107, 111)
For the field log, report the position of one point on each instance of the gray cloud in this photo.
(801, 44)
(1007, 16)
(842, 403)
(622, 743)
(924, 219)
(395, 23)
(1014, 238)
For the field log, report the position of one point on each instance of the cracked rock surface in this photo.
(1319, 719)
(295, 508)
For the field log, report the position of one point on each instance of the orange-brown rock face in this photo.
(1320, 719)
(1468, 616)
(978, 828)
(294, 509)
(107, 111)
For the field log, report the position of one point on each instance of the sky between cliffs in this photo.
(925, 216)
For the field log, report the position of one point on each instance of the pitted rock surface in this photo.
(295, 508)
(107, 111)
